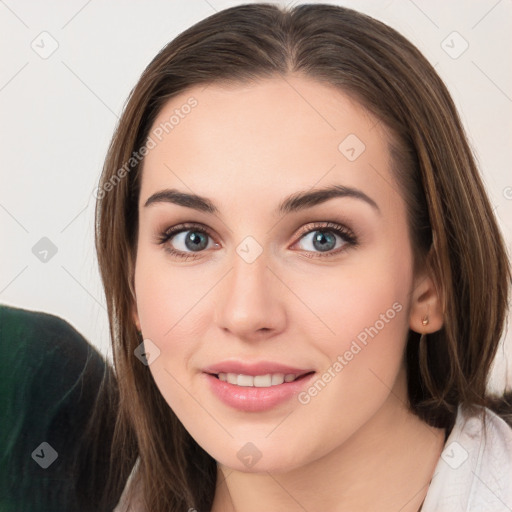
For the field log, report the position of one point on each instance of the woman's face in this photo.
(271, 279)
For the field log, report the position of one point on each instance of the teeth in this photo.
(277, 378)
(258, 381)
(245, 380)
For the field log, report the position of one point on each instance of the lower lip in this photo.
(252, 399)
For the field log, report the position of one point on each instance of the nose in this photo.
(251, 298)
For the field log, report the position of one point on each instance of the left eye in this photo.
(321, 240)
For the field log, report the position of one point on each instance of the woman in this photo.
(305, 280)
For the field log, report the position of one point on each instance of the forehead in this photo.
(270, 137)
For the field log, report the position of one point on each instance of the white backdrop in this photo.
(67, 68)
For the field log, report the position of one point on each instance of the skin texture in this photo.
(247, 147)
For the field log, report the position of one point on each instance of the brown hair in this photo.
(452, 226)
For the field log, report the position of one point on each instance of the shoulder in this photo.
(474, 471)
(36, 337)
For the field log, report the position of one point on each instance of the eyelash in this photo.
(346, 234)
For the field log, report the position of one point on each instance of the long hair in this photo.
(451, 223)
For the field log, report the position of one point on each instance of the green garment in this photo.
(50, 380)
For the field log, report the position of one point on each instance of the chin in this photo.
(259, 457)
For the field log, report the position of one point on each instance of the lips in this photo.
(263, 374)
(255, 387)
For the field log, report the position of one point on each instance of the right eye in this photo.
(188, 237)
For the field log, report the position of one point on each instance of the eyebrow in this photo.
(293, 203)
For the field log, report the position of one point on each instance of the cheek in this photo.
(173, 313)
(363, 327)
(366, 295)
(362, 358)
(368, 312)
(163, 295)
(162, 305)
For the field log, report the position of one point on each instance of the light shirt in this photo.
(473, 474)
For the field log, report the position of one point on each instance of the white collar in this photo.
(474, 472)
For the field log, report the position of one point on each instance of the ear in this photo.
(426, 312)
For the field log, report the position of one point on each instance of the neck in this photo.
(389, 461)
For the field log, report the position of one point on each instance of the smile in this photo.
(259, 392)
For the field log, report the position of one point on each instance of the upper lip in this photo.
(259, 368)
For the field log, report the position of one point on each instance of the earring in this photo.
(423, 336)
